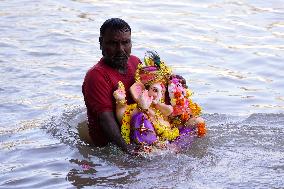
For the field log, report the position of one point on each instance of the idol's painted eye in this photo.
(155, 90)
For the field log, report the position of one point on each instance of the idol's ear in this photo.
(136, 90)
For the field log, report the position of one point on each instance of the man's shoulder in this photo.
(94, 73)
(134, 59)
(98, 67)
(133, 62)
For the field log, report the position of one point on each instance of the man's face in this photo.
(116, 47)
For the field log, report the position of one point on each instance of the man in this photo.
(101, 81)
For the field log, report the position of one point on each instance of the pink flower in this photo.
(175, 80)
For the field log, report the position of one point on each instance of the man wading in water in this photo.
(101, 81)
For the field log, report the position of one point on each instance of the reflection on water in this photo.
(230, 52)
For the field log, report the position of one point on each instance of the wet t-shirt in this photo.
(98, 87)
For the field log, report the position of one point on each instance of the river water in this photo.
(230, 51)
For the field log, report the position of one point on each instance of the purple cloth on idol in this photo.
(142, 130)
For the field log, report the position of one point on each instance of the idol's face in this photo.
(116, 47)
(156, 91)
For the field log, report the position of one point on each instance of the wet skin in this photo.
(116, 48)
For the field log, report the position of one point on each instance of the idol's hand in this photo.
(119, 94)
(144, 100)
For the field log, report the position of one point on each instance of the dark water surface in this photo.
(231, 53)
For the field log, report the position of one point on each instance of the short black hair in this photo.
(115, 24)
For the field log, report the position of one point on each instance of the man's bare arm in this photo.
(112, 131)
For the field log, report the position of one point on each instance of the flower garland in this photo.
(183, 106)
(201, 129)
(125, 126)
(164, 131)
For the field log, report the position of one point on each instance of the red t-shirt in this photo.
(98, 87)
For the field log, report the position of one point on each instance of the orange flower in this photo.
(177, 110)
(185, 116)
(180, 102)
(201, 129)
(195, 108)
(177, 94)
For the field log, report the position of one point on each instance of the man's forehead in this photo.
(117, 32)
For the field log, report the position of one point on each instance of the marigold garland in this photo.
(125, 123)
(183, 106)
(195, 108)
(201, 129)
(162, 130)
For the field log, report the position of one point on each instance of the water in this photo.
(230, 52)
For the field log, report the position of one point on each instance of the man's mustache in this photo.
(121, 56)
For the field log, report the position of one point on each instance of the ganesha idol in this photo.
(151, 121)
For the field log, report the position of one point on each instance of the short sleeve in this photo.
(97, 92)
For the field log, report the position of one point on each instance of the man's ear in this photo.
(100, 41)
